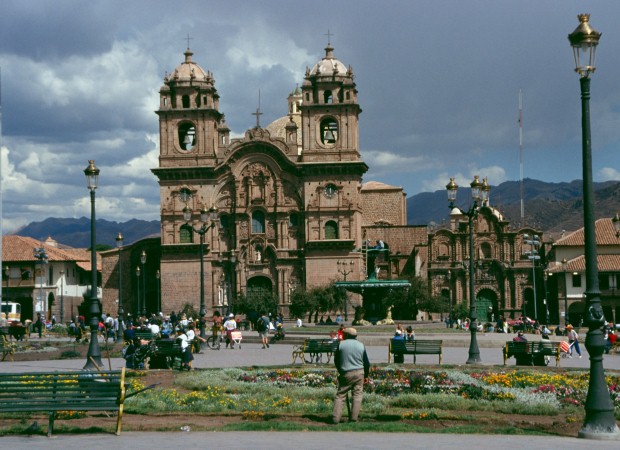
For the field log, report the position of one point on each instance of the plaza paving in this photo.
(251, 354)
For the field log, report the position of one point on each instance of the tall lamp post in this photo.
(7, 273)
(62, 296)
(599, 422)
(142, 263)
(157, 277)
(209, 219)
(41, 255)
(120, 312)
(534, 243)
(564, 264)
(479, 193)
(93, 356)
(139, 300)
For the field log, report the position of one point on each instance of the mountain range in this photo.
(549, 207)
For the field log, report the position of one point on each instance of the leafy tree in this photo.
(318, 300)
(461, 310)
(256, 303)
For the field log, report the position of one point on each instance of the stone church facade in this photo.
(504, 277)
(288, 203)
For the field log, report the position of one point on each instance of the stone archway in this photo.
(259, 286)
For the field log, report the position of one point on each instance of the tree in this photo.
(318, 300)
(257, 303)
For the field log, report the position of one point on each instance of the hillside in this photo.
(76, 232)
(551, 207)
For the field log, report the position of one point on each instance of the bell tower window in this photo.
(185, 101)
(185, 234)
(327, 97)
(329, 131)
(187, 136)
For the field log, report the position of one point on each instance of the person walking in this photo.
(230, 325)
(353, 366)
(573, 340)
(262, 326)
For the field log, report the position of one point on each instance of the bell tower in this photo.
(189, 120)
(330, 112)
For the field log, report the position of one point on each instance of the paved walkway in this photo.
(297, 440)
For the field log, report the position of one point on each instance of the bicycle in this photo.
(214, 342)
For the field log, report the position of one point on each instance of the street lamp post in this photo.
(93, 356)
(139, 299)
(599, 422)
(7, 272)
(209, 219)
(231, 292)
(41, 255)
(534, 243)
(62, 296)
(157, 277)
(479, 193)
(451, 320)
(120, 312)
(564, 263)
(142, 263)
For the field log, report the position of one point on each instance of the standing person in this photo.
(262, 326)
(186, 349)
(573, 340)
(39, 324)
(230, 325)
(353, 366)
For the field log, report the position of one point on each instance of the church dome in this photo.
(329, 65)
(188, 72)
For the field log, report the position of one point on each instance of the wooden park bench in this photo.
(415, 347)
(316, 348)
(6, 347)
(168, 354)
(54, 392)
(535, 353)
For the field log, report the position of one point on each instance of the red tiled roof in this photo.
(603, 229)
(605, 263)
(21, 248)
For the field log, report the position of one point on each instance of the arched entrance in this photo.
(259, 287)
(486, 305)
(575, 313)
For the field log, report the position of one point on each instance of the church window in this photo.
(443, 252)
(186, 234)
(329, 131)
(307, 96)
(185, 100)
(348, 95)
(327, 97)
(187, 136)
(293, 219)
(331, 230)
(486, 251)
(258, 222)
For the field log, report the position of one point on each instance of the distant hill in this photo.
(550, 207)
(76, 232)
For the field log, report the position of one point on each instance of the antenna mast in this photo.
(521, 155)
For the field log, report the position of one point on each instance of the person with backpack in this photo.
(262, 326)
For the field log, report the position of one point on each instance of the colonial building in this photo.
(507, 281)
(567, 267)
(52, 284)
(286, 201)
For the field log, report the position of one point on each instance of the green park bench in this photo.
(315, 348)
(535, 353)
(53, 392)
(401, 347)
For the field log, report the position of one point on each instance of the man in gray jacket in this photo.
(353, 366)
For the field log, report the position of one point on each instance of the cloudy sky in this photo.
(438, 84)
